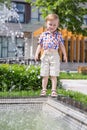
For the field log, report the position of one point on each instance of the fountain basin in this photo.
(40, 114)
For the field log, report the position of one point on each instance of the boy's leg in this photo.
(54, 86)
(44, 82)
(44, 85)
(54, 82)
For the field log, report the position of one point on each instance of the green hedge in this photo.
(20, 77)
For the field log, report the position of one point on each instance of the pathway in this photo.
(75, 85)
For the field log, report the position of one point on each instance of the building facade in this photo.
(29, 20)
(24, 44)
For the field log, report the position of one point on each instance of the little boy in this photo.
(50, 41)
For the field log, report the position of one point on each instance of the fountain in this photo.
(7, 16)
(40, 114)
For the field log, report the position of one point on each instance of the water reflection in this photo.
(22, 118)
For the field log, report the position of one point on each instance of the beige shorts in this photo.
(50, 64)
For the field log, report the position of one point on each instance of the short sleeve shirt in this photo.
(50, 40)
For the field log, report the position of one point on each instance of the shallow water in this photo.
(22, 118)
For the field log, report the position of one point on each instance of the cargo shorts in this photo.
(50, 64)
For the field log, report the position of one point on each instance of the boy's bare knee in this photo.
(53, 77)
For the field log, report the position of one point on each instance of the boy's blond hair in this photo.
(52, 17)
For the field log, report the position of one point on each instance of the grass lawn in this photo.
(71, 75)
(63, 75)
(72, 94)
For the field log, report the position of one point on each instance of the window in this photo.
(9, 49)
(21, 18)
(23, 10)
(36, 14)
(85, 21)
(4, 47)
(20, 9)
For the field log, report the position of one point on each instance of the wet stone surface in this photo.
(69, 101)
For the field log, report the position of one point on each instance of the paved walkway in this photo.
(75, 85)
(71, 66)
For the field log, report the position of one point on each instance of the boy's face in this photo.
(52, 25)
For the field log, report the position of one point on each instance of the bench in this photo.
(82, 69)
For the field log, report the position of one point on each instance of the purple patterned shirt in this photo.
(50, 40)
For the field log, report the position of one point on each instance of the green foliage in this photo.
(22, 93)
(23, 77)
(70, 12)
(20, 77)
(7, 2)
(77, 96)
(71, 75)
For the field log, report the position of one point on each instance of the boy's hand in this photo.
(36, 57)
(65, 58)
(37, 53)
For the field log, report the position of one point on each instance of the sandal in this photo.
(43, 92)
(54, 93)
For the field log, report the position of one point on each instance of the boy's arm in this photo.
(64, 52)
(37, 52)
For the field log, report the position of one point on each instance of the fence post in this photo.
(82, 48)
(77, 49)
(66, 45)
(72, 49)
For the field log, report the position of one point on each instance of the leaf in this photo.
(66, 9)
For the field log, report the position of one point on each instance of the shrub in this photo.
(20, 77)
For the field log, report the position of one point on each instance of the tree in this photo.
(71, 12)
(3, 1)
(7, 2)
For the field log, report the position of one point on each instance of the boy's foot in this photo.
(54, 93)
(43, 92)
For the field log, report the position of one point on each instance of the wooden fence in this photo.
(76, 45)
